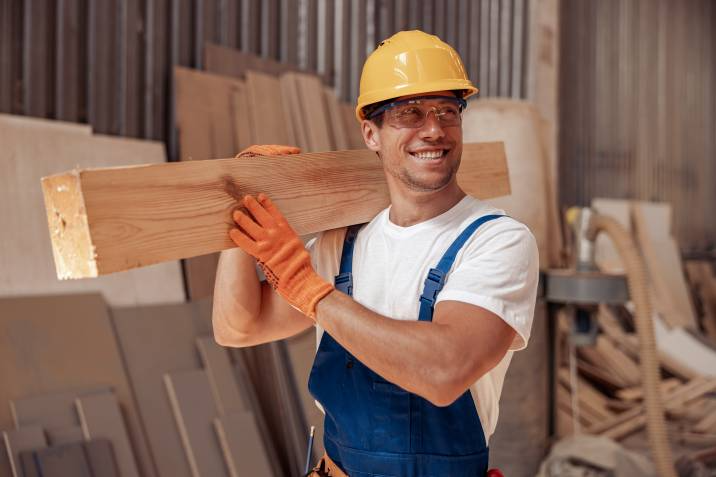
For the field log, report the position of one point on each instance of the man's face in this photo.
(423, 159)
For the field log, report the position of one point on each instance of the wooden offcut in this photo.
(114, 219)
(101, 418)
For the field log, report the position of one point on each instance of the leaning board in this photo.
(114, 219)
(27, 154)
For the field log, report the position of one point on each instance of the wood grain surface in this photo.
(143, 215)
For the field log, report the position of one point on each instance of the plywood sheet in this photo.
(663, 261)
(51, 411)
(42, 125)
(241, 445)
(205, 114)
(194, 411)
(52, 344)
(63, 461)
(19, 440)
(336, 121)
(225, 389)
(301, 351)
(101, 223)
(100, 458)
(29, 153)
(266, 109)
(233, 62)
(156, 340)
(64, 435)
(353, 128)
(101, 418)
(517, 124)
(309, 110)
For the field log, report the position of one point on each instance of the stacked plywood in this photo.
(33, 148)
(262, 102)
(603, 393)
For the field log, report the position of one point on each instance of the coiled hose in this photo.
(649, 359)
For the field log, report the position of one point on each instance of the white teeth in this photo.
(429, 154)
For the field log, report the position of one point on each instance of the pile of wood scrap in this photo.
(598, 387)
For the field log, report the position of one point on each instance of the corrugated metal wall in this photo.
(638, 107)
(108, 62)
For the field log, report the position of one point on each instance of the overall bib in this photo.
(374, 428)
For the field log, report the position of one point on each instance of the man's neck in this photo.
(411, 207)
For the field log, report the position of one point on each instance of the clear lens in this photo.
(414, 113)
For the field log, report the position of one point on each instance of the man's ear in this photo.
(371, 135)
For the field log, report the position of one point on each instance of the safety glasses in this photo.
(413, 112)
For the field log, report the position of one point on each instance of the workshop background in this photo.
(601, 103)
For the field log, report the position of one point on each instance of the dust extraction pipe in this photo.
(650, 370)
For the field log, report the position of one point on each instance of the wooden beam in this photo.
(114, 219)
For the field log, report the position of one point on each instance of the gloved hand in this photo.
(269, 238)
(268, 150)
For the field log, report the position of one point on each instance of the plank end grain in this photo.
(70, 235)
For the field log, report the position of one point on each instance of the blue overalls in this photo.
(374, 428)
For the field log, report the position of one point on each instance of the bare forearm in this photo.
(426, 358)
(237, 295)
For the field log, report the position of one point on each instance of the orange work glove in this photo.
(269, 238)
(268, 150)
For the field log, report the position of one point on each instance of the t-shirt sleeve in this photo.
(498, 270)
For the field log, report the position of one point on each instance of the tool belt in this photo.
(326, 468)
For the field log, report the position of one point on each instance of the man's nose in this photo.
(432, 129)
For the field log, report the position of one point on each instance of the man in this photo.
(432, 297)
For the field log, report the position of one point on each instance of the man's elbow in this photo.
(228, 336)
(444, 389)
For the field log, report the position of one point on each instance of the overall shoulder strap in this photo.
(435, 280)
(344, 280)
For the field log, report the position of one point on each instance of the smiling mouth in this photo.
(429, 155)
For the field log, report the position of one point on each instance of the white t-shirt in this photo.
(497, 269)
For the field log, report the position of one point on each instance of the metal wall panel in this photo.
(638, 108)
(109, 63)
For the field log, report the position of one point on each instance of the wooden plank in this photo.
(5, 468)
(205, 114)
(266, 109)
(27, 154)
(355, 137)
(339, 133)
(663, 261)
(227, 394)
(57, 344)
(156, 340)
(194, 411)
(23, 439)
(312, 110)
(100, 222)
(100, 458)
(241, 445)
(62, 461)
(302, 350)
(295, 126)
(51, 411)
(101, 418)
(210, 124)
(65, 435)
(29, 465)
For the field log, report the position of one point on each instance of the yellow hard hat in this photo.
(411, 62)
